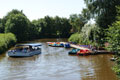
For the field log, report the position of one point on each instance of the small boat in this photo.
(25, 50)
(67, 45)
(57, 44)
(50, 43)
(84, 52)
(73, 51)
(113, 59)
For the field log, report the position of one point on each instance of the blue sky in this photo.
(35, 9)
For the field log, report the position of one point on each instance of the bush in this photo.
(113, 37)
(6, 41)
(78, 38)
(88, 35)
(75, 37)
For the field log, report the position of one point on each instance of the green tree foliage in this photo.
(39, 27)
(114, 43)
(63, 27)
(13, 12)
(113, 37)
(48, 27)
(32, 32)
(86, 13)
(1, 26)
(88, 35)
(52, 27)
(91, 32)
(118, 13)
(75, 37)
(77, 22)
(6, 41)
(17, 23)
(113, 34)
(103, 10)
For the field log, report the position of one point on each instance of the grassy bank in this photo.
(6, 41)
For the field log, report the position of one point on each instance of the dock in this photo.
(96, 51)
(85, 48)
(76, 46)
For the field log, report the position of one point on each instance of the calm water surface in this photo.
(55, 64)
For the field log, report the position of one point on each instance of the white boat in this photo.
(25, 50)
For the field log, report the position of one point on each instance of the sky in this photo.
(35, 9)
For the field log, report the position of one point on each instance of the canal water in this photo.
(55, 64)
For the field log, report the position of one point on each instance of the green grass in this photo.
(6, 41)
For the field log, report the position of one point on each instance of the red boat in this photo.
(84, 52)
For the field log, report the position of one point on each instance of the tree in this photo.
(104, 11)
(88, 35)
(77, 22)
(86, 13)
(1, 26)
(38, 26)
(113, 34)
(33, 32)
(113, 38)
(14, 11)
(18, 24)
(65, 28)
(52, 27)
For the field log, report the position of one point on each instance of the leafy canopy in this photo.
(18, 24)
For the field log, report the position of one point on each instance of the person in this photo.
(30, 47)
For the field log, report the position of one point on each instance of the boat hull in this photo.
(23, 54)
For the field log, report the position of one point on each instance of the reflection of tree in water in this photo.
(19, 67)
(96, 67)
(2, 56)
(21, 62)
(102, 68)
(87, 70)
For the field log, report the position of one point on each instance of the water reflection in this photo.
(55, 64)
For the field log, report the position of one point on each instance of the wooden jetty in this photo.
(78, 47)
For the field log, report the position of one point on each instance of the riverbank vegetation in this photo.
(17, 23)
(6, 41)
(89, 34)
(106, 14)
(113, 37)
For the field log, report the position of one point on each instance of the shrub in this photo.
(6, 41)
(88, 35)
(75, 37)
